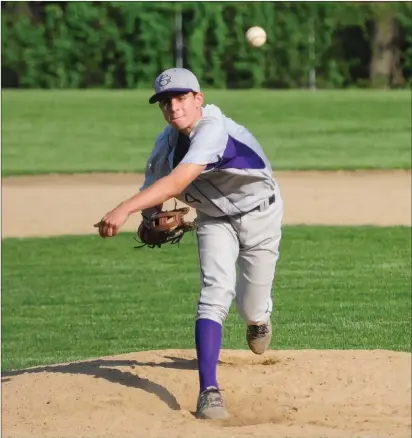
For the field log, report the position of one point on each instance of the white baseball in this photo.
(256, 36)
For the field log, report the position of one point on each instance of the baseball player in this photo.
(216, 166)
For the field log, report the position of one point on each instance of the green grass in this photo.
(96, 130)
(71, 298)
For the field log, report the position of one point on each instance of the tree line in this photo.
(126, 44)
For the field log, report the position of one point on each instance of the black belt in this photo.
(271, 200)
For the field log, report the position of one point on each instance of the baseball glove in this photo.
(164, 227)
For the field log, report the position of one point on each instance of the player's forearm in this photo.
(161, 191)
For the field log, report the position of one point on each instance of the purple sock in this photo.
(208, 336)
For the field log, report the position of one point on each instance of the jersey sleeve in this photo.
(152, 170)
(149, 179)
(208, 143)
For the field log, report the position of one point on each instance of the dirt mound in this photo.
(153, 394)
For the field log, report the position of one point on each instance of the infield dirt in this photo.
(302, 393)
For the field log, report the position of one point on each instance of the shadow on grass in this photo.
(103, 369)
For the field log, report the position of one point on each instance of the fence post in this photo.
(179, 38)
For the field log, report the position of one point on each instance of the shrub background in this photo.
(126, 44)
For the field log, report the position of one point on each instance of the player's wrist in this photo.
(126, 207)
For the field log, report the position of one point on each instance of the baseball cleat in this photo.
(259, 337)
(210, 405)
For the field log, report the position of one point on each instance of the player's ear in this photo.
(199, 99)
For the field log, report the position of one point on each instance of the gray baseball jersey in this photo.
(237, 179)
(238, 176)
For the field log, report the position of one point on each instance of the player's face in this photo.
(182, 111)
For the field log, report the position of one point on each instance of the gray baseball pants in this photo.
(248, 244)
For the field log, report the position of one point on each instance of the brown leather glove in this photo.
(164, 227)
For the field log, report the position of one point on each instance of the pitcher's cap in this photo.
(175, 79)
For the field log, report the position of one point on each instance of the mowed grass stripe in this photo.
(70, 298)
(70, 131)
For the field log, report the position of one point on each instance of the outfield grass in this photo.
(96, 130)
(70, 298)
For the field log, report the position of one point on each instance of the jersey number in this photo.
(189, 199)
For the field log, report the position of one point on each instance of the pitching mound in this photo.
(153, 394)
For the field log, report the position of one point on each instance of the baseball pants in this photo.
(238, 257)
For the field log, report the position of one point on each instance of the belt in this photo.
(270, 201)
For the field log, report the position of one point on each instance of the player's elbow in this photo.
(171, 187)
(176, 188)
(176, 184)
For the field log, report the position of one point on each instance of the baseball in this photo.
(256, 36)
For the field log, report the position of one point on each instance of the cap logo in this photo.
(164, 80)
